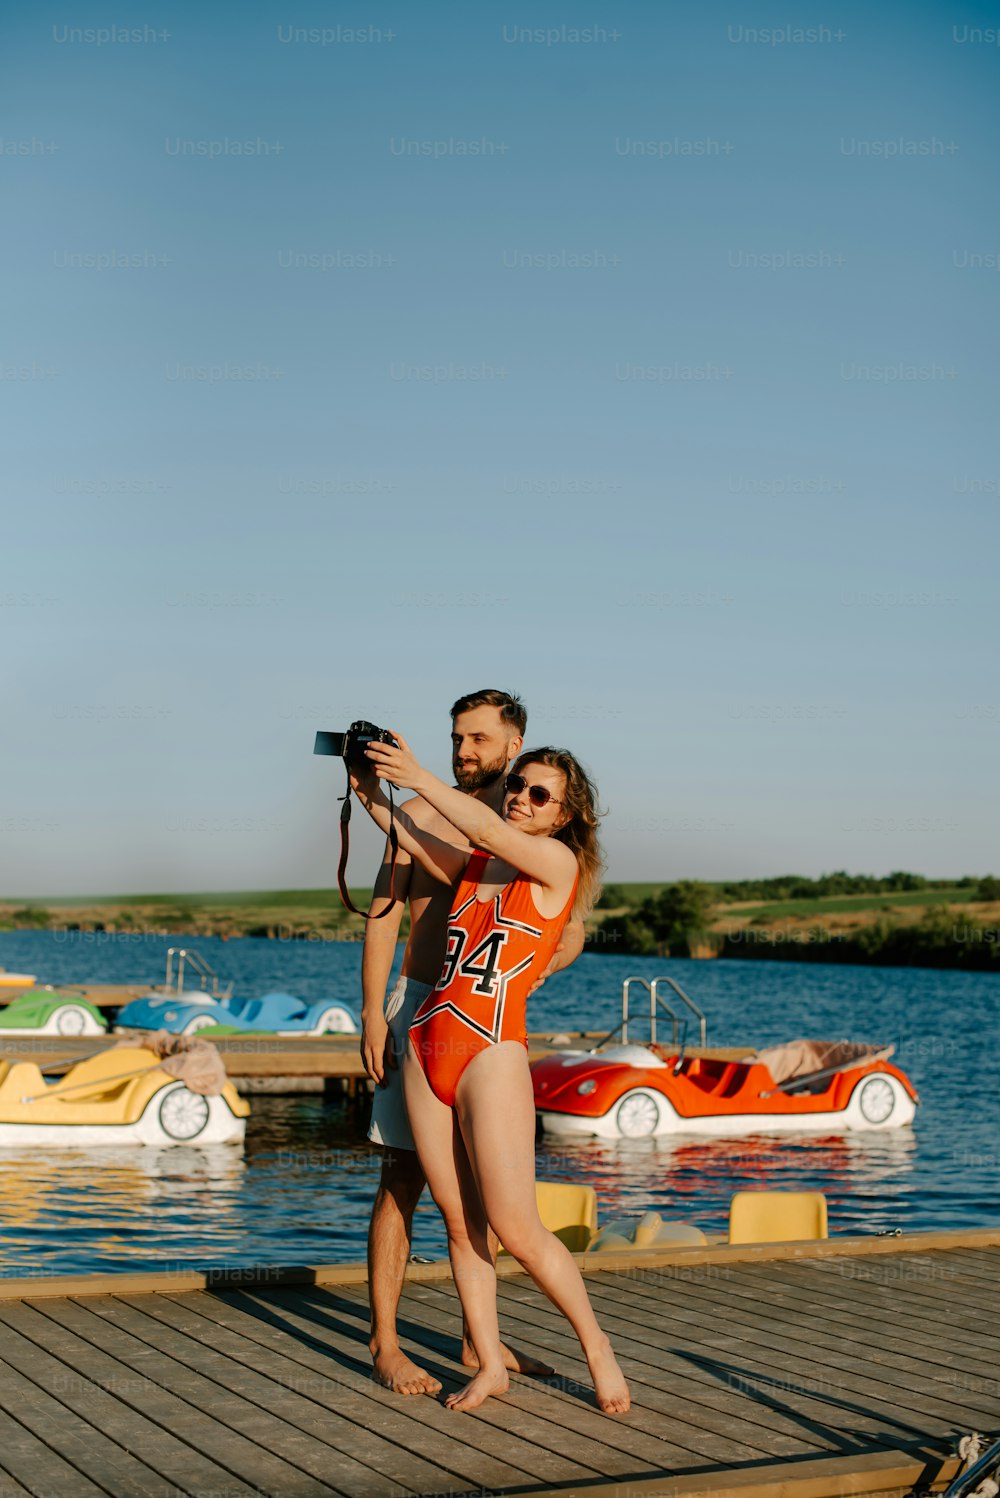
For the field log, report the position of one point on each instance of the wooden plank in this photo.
(652, 1396)
(896, 1298)
(356, 1273)
(763, 1362)
(984, 1258)
(887, 1474)
(758, 1330)
(278, 1417)
(758, 1340)
(852, 1332)
(979, 1268)
(55, 1360)
(320, 1322)
(708, 1409)
(809, 1310)
(318, 1330)
(350, 1431)
(925, 1275)
(113, 1470)
(789, 1300)
(460, 1445)
(547, 1440)
(548, 1415)
(37, 1467)
(567, 1401)
(928, 1275)
(178, 1398)
(10, 1488)
(693, 1427)
(797, 1289)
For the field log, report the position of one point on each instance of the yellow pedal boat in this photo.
(122, 1096)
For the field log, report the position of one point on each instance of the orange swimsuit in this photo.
(496, 950)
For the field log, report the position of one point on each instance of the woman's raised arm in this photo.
(543, 859)
(443, 861)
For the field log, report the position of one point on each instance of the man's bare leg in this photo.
(389, 1237)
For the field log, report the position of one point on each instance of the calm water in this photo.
(301, 1190)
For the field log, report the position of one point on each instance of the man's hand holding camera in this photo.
(394, 762)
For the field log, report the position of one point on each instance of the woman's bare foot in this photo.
(486, 1382)
(394, 1370)
(513, 1361)
(609, 1382)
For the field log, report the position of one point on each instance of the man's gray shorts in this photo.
(390, 1126)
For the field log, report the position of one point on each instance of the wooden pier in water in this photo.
(272, 1063)
(848, 1366)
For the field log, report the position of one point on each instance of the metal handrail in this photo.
(678, 990)
(625, 989)
(677, 1021)
(204, 970)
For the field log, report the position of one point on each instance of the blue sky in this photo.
(358, 357)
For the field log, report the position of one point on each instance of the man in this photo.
(487, 735)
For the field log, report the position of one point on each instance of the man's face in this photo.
(482, 746)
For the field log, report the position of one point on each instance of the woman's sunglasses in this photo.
(537, 794)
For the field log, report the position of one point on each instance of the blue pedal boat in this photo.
(274, 1014)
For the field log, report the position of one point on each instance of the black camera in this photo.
(351, 746)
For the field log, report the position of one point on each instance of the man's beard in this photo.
(479, 777)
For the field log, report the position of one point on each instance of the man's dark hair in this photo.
(512, 710)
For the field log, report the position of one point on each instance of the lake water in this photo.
(300, 1192)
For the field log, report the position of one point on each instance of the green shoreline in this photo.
(944, 925)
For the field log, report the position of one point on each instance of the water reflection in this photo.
(862, 1175)
(302, 1190)
(117, 1205)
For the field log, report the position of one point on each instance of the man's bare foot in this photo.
(609, 1382)
(477, 1390)
(394, 1370)
(513, 1361)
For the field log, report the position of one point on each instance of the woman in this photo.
(465, 1074)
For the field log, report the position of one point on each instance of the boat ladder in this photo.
(678, 1022)
(174, 983)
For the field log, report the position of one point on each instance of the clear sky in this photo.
(638, 358)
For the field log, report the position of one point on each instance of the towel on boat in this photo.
(194, 1062)
(799, 1058)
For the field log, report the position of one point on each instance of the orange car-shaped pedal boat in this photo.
(628, 1091)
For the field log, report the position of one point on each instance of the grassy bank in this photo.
(953, 925)
(941, 924)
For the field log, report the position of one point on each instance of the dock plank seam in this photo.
(294, 1426)
(789, 1296)
(248, 1459)
(499, 1415)
(311, 1332)
(572, 1392)
(806, 1397)
(800, 1323)
(637, 1384)
(759, 1336)
(435, 1472)
(79, 1441)
(18, 1324)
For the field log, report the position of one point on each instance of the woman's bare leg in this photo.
(496, 1111)
(443, 1157)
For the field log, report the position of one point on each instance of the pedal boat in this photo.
(193, 1010)
(638, 1092)
(122, 1096)
(47, 1012)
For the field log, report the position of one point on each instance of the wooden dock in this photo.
(788, 1370)
(273, 1063)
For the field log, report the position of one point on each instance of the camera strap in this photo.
(345, 843)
